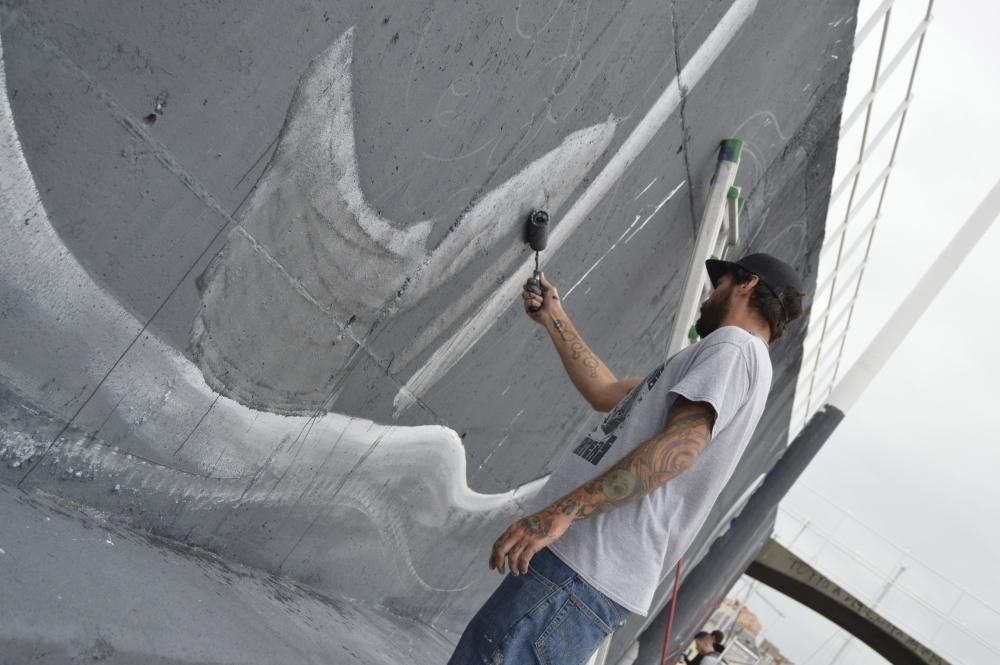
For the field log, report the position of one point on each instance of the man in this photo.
(718, 637)
(639, 487)
(704, 644)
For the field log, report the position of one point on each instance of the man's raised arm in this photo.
(598, 384)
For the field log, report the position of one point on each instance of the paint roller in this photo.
(536, 234)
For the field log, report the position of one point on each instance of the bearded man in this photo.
(623, 506)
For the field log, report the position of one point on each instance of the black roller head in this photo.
(537, 231)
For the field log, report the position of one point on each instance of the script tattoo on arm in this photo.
(578, 350)
(652, 464)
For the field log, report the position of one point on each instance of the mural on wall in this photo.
(316, 476)
(311, 248)
(232, 442)
(240, 437)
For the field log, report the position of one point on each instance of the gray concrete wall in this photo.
(260, 271)
(78, 589)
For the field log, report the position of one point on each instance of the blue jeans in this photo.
(548, 616)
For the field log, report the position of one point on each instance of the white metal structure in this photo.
(842, 263)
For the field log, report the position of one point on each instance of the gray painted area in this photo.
(113, 596)
(240, 232)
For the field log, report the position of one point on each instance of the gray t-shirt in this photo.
(626, 552)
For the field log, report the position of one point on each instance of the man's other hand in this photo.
(525, 537)
(544, 302)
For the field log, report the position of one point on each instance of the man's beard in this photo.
(704, 327)
(708, 322)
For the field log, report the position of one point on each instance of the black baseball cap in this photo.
(774, 274)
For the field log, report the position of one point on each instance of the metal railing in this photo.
(835, 298)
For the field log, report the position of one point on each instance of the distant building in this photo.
(772, 655)
(745, 645)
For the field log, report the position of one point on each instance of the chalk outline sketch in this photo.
(770, 121)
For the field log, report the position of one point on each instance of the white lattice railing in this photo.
(846, 247)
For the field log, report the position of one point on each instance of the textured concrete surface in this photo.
(78, 589)
(255, 292)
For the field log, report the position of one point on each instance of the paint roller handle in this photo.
(534, 285)
(539, 296)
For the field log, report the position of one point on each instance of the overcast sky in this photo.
(911, 477)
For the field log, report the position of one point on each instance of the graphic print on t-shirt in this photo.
(594, 449)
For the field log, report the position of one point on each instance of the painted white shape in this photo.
(317, 148)
(645, 189)
(462, 341)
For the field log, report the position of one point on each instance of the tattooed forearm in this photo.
(560, 327)
(652, 464)
(577, 349)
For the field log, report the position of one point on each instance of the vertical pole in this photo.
(673, 608)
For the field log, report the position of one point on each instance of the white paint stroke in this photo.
(589, 270)
(624, 233)
(497, 447)
(656, 210)
(645, 189)
(462, 341)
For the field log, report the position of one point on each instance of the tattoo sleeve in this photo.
(578, 350)
(652, 464)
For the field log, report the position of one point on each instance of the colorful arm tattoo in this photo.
(652, 464)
